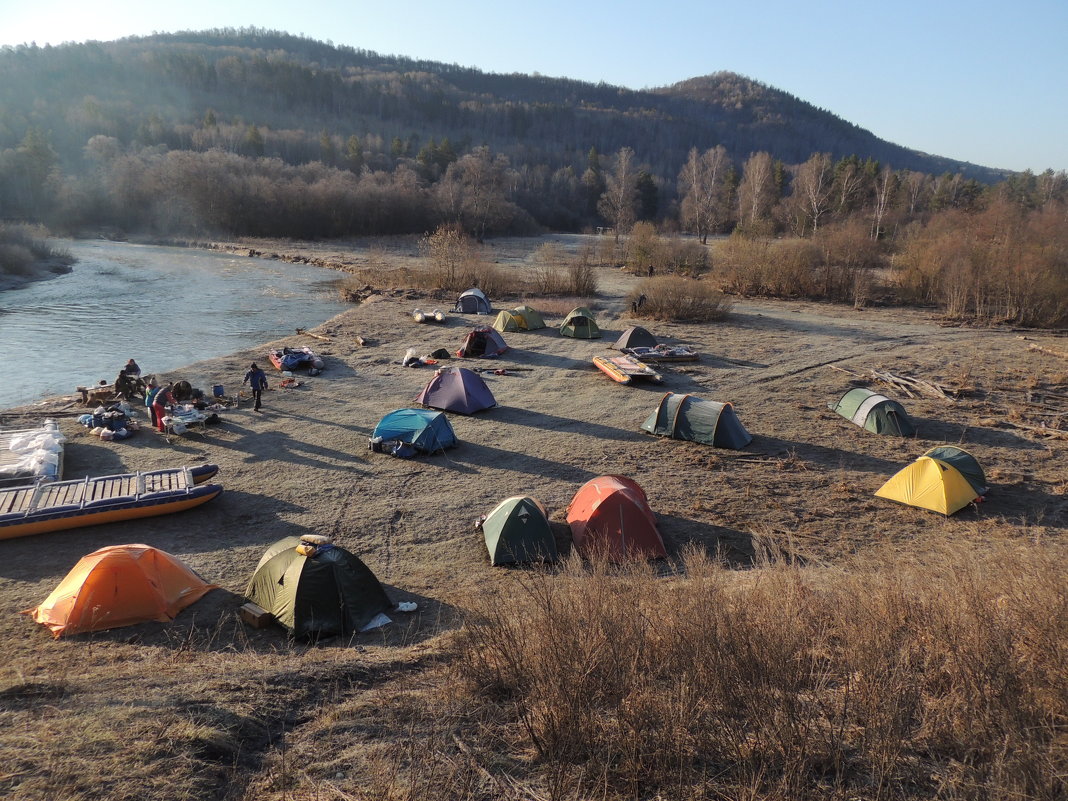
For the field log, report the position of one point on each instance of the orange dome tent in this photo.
(119, 586)
(611, 514)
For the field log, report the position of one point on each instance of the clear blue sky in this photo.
(972, 80)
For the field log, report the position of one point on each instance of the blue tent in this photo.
(425, 430)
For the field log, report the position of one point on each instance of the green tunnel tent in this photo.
(517, 530)
(580, 324)
(873, 412)
(507, 321)
(691, 418)
(329, 592)
(529, 319)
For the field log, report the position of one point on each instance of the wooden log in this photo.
(1050, 351)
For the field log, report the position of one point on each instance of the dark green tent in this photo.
(329, 592)
(517, 530)
(875, 413)
(966, 465)
(688, 417)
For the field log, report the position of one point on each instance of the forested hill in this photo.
(260, 133)
(160, 90)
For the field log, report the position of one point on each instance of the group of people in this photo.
(159, 396)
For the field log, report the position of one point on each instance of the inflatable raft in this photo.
(626, 369)
(61, 505)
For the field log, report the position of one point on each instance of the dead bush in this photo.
(680, 299)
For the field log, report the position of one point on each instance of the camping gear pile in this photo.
(110, 422)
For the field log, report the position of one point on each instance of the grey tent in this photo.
(708, 422)
(473, 301)
(457, 389)
(517, 530)
(876, 413)
(325, 593)
(635, 337)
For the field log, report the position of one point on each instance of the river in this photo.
(164, 307)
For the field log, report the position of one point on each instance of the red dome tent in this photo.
(611, 514)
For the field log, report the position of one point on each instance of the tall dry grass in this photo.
(942, 675)
(680, 299)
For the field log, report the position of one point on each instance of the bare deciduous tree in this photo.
(756, 194)
(702, 187)
(619, 203)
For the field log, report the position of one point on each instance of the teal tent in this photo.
(425, 430)
(875, 413)
(517, 530)
(688, 417)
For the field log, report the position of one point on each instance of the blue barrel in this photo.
(218, 391)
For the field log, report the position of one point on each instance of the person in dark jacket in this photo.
(257, 381)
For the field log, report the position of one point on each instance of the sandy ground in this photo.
(804, 487)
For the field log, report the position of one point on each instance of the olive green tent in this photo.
(691, 418)
(875, 413)
(529, 318)
(329, 592)
(517, 530)
(580, 324)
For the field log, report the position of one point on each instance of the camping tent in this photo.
(517, 530)
(456, 389)
(945, 480)
(876, 413)
(580, 324)
(119, 586)
(327, 592)
(473, 301)
(708, 422)
(635, 337)
(507, 321)
(482, 341)
(425, 430)
(529, 319)
(611, 515)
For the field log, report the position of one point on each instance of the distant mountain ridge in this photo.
(156, 90)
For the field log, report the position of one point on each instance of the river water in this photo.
(164, 307)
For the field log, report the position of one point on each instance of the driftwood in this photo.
(310, 334)
(912, 387)
(1045, 431)
(1050, 351)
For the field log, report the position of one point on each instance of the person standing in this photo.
(160, 401)
(257, 381)
(153, 389)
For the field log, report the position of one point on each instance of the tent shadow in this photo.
(474, 456)
(826, 457)
(943, 432)
(213, 624)
(552, 422)
(738, 550)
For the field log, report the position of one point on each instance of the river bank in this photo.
(174, 710)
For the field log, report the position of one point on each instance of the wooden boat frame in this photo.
(61, 505)
(625, 369)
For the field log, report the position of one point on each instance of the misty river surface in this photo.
(164, 307)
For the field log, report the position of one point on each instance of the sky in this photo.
(978, 81)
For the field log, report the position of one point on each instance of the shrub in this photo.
(680, 299)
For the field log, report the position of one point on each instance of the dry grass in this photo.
(678, 299)
(936, 676)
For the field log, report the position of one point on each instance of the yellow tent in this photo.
(119, 586)
(930, 483)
